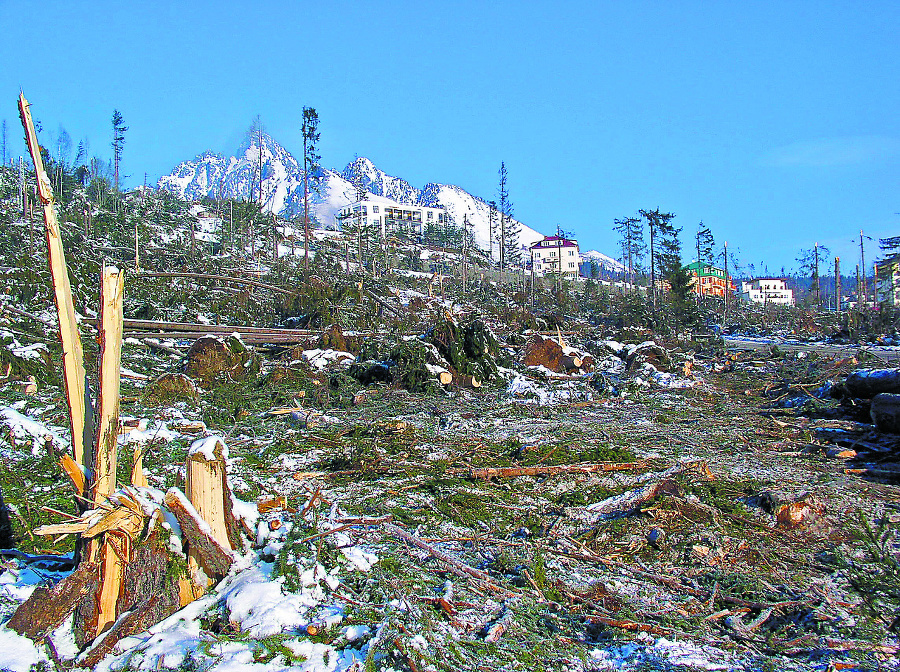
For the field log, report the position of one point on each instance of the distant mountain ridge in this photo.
(216, 176)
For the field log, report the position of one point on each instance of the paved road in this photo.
(891, 355)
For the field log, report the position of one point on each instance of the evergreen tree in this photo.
(705, 254)
(810, 262)
(118, 144)
(684, 309)
(505, 211)
(631, 236)
(887, 266)
(310, 163)
(659, 225)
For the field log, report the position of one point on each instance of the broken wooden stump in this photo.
(207, 489)
(885, 412)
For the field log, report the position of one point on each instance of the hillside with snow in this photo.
(604, 261)
(216, 176)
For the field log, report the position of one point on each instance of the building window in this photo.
(571, 253)
(430, 215)
(375, 209)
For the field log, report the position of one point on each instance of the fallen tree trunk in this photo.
(866, 383)
(886, 412)
(221, 278)
(47, 608)
(488, 473)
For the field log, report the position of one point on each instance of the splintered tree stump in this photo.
(139, 619)
(150, 595)
(206, 487)
(47, 608)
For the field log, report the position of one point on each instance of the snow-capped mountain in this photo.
(213, 175)
(603, 260)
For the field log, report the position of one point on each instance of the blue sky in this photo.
(776, 123)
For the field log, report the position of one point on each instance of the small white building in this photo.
(555, 254)
(767, 290)
(387, 216)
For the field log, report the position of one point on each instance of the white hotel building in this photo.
(767, 290)
(555, 254)
(388, 216)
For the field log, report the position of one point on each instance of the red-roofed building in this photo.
(555, 254)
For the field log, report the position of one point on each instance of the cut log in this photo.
(866, 383)
(570, 362)
(886, 412)
(47, 608)
(442, 375)
(470, 382)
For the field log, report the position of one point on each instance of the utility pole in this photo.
(837, 285)
(727, 288)
(862, 257)
(818, 292)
